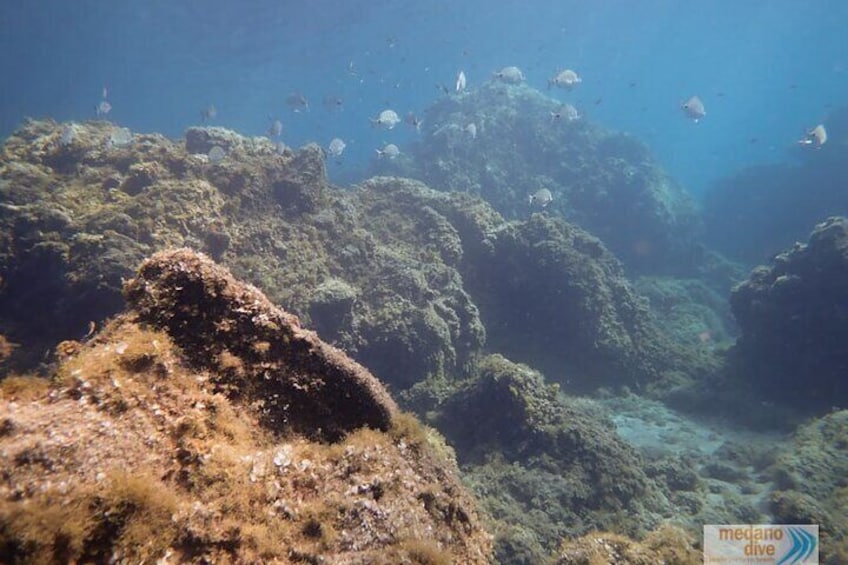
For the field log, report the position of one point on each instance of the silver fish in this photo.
(413, 121)
(297, 102)
(460, 82)
(216, 154)
(336, 147)
(68, 135)
(208, 113)
(120, 137)
(103, 108)
(387, 119)
(275, 129)
(815, 137)
(541, 198)
(510, 75)
(391, 151)
(694, 109)
(566, 112)
(333, 103)
(471, 130)
(566, 79)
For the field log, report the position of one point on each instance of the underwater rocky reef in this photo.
(794, 324)
(205, 425)
(385, 270)
(505, 142)
(484, 319)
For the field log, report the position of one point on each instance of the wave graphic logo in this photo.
(804, 543)
(744, 544)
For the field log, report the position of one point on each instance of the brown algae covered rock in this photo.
(667, 544)
(70, 235)
(142, 447)
(232, 329)
(793, 328)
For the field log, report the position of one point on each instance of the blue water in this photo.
(764, 69)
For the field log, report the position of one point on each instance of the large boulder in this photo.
(196, 429)
(232, 329)
(793, 317)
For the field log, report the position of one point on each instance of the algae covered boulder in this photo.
(552, 295)
(233, 329)
(195, 428)
(545, 467)
(794, 324)
(810, 485)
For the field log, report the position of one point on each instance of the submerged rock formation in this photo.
(193, 444)
(810, 483)
(544, 467)
(522, 141)
(392, 271)
(71, 229)
(233, 330)
(412, 282)
(794, 324)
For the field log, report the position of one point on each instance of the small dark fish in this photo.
(793, 86)
(753, 140)
(598, 101)
(721, 94)
(443, 88)
(297, 102)
(332, 103)
(631, 84)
